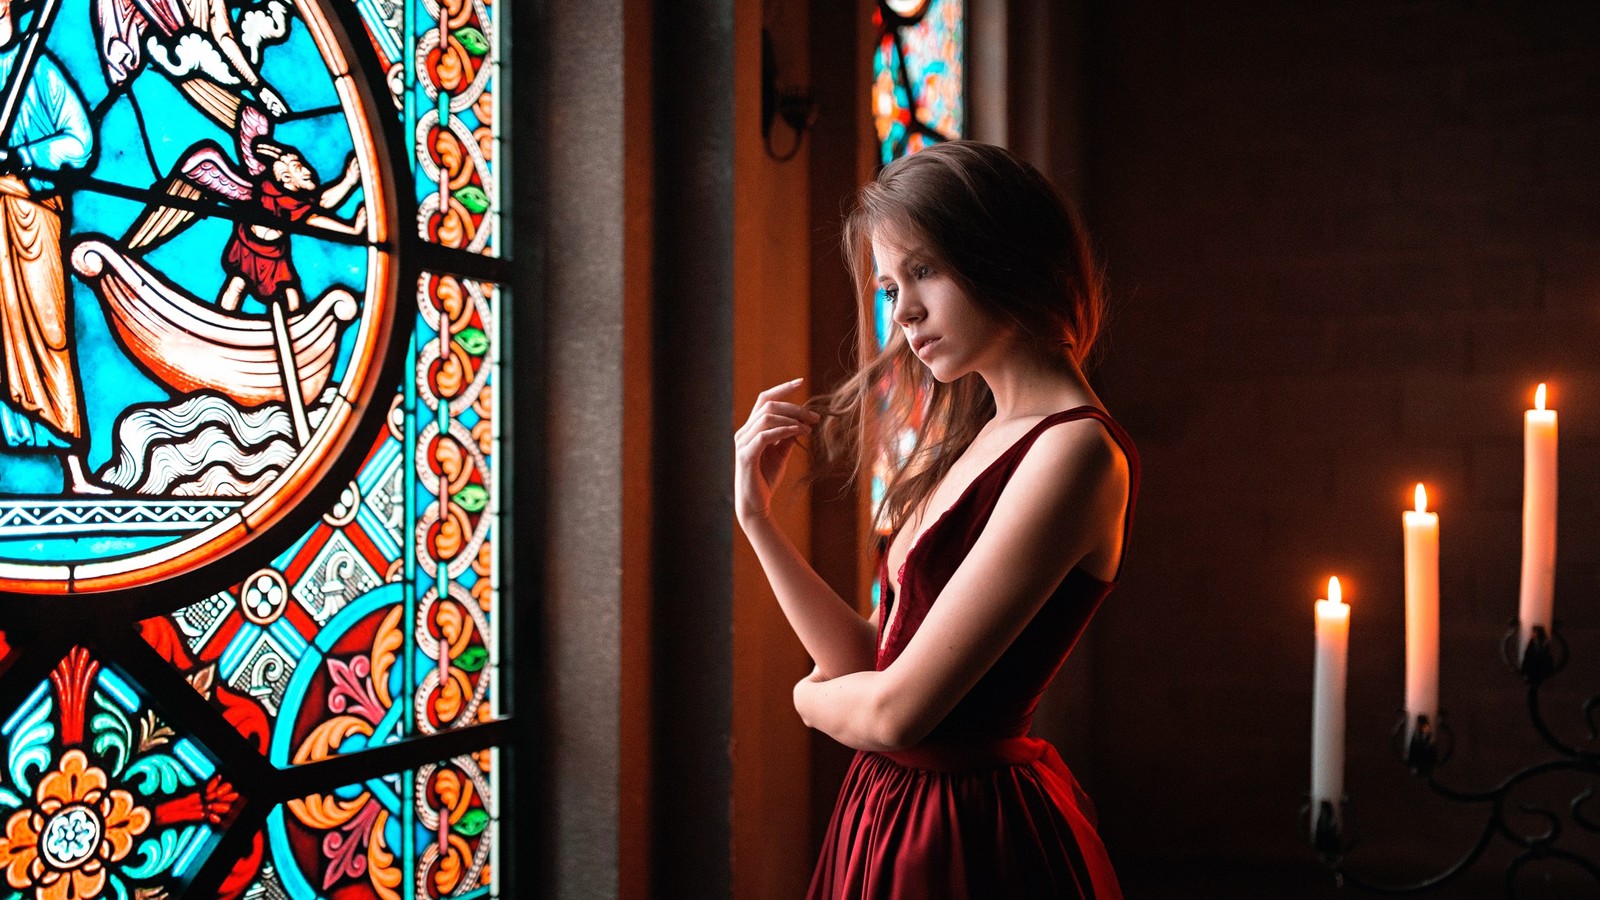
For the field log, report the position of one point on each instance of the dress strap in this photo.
(1119, 436)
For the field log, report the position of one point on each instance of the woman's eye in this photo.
(921, 272)
(891, 294)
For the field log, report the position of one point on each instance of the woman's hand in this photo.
(761, 449)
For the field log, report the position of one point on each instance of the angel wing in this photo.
(253, 125)
(206, 173)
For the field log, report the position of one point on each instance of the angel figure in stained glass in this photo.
(44, 128)
(277, 191)
(280, 187)
(194, 42)
(257, 256)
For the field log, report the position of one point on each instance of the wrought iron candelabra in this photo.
(1430, 745)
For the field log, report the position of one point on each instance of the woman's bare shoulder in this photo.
(1074, 462)
(1083, 442)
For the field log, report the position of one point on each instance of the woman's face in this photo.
(944, 327)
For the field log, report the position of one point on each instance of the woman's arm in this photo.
(1064, 502)
(834, 634)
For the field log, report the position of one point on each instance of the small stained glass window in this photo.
(918, 99)
(918, 74)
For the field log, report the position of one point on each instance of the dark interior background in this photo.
(1343, 241)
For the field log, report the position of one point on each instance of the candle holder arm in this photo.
(1544, 656)
(1578, 815)
(1536, 715)
(1333, 843)
(1556, 854)
(1423, 746)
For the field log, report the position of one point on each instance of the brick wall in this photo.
(1344, 241)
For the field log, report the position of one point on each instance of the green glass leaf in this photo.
(159, 773)
(472, 39)
(472, 823)
(473, 340)
(472, 498)
(473, 198)
(472, 659)
(112, 733)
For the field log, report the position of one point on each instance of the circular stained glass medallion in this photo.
(70, 837)
(198, 288)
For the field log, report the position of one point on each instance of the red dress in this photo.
(977, 810)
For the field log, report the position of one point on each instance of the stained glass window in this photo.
(379, 623)
(917, 74)
(250, 449)
(448, 97)
(424, 832)
(918, 98)
(102, 796)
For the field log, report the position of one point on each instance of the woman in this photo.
(1008, 512)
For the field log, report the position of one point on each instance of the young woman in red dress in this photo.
(1008, 510)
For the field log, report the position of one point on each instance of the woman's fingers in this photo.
(793, 410)
(751, 451)
(762, 445)
(768, 415)
(777, 389)
(770, 433)
(776, 420)
(767, 401)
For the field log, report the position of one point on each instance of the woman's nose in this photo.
(906, 310)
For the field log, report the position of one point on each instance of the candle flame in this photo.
(1421, 498)
(1538, 397)
(1334, 594)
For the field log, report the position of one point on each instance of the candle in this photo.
(1422, 612)
(1327, 721)
(1538, 517)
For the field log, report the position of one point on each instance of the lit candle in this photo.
(1538, 517)
(1422, 612)
(1327, 720)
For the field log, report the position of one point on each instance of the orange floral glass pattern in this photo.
(61, 845)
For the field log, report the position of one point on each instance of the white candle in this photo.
(1422, 612)
(1327, 721)
(1538, 517)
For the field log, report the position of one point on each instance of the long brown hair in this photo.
(1016, 249)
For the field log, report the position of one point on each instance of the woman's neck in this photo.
(1027, 381)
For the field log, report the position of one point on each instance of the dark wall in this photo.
(1343, 241)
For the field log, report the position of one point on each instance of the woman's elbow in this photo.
(890, 738)
(896, 727)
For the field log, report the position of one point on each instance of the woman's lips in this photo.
(920, 344)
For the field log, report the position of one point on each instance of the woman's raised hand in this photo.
(761, 449)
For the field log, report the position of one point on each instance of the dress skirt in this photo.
(954, 820)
